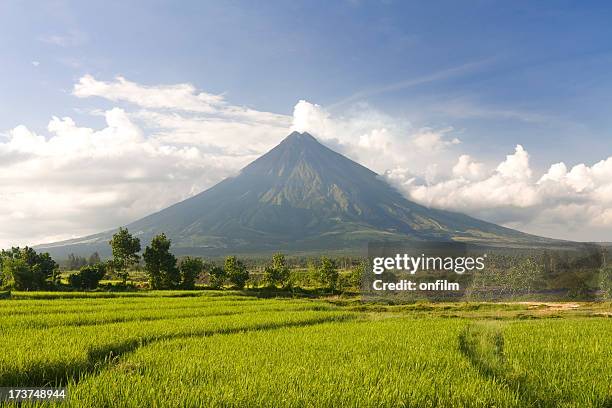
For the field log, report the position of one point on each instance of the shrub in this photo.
(88, 277)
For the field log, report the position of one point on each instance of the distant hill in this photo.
(299, 197)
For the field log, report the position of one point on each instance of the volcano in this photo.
(299, 197)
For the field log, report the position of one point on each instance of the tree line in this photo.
(24, 269)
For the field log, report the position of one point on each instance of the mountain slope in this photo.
(300, 196)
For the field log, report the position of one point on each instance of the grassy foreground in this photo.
(227, 349)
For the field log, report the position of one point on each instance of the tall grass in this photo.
(50, 349)
(227, 349)
(564, 363)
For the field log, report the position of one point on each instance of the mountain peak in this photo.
(300, 196)
(299, 137)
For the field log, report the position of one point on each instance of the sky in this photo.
(112, 110)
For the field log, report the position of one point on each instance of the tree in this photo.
(328, 273)
(278, 272)
(88, 277)
(217, 277)
(16, 274)
(236, 272)
(125, 252)
(605, 282)
(75, 262)
(160, 264)
(94, 259)
(24, 269)
(190, 269)
(356, 276)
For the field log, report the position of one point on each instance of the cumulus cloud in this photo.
(425, 165)
(377, 140)
(572, 204)
(163, 143)
(78, 179)
(467, 168)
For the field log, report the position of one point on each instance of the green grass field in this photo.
(170, 349)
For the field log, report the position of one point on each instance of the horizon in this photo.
(505, 130)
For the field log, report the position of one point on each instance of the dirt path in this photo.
(551, 305)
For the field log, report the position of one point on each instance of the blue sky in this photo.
(549, 61)
(497, 74)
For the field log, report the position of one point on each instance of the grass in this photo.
(207, 348)
(398, 362)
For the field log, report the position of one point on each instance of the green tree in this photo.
(94, 259)
(160, 264)
(88, 277)
(16, 274)
(236, 272)
(356, 275)
(328, 273)
(24, 269)
(190, 269)
(125, 252)
(278, 272)
(75, 262)
(605, 282)
(217, 277)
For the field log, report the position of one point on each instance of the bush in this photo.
(88, 277)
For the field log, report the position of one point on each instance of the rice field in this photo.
(170, 349)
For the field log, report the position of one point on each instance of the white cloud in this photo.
(173, 143)
(374, 139)
(80, 180)
(429, 139)
(182, 96)
(164, 143)
(516, 166)
(572, 204)
(179, 97)
(467, 168)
